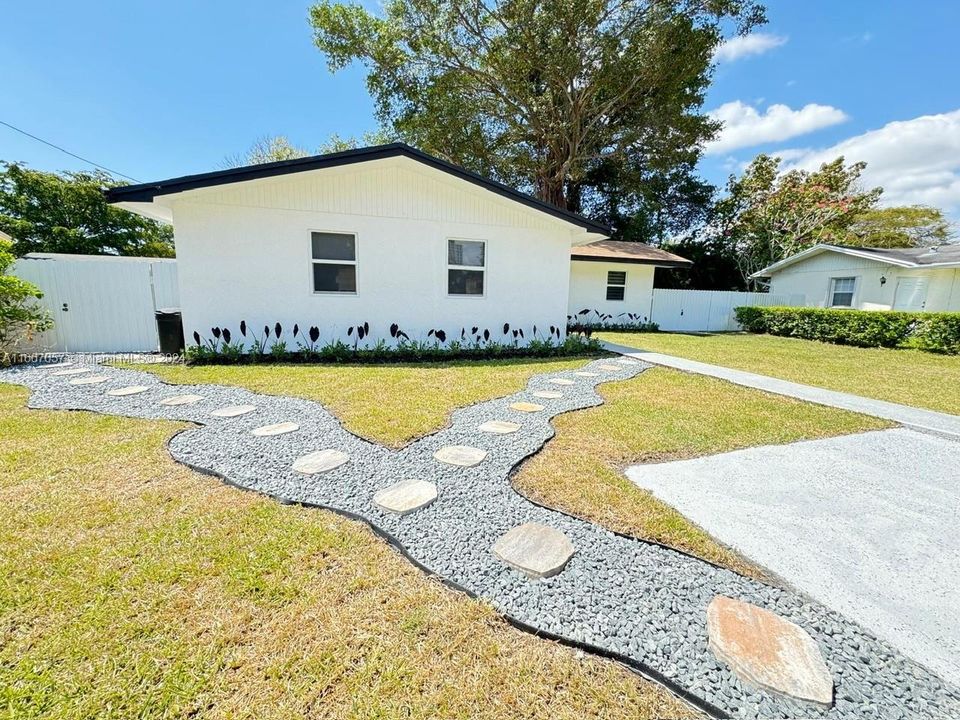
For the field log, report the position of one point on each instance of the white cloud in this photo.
(744, 126)
(917, 162)
(743, 46)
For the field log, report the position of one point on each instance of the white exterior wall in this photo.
(811, 277)
(244, 253)
(588, 288)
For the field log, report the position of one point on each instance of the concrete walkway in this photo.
(865, 523)
(911, 417)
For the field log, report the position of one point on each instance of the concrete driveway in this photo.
(868, 524)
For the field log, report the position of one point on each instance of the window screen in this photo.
(334, 261)
(466, 267)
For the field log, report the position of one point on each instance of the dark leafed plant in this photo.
(296, 329)
(506, 328)
(585, 311)
(486, 335)
(215, 332)
(226, 335)
(243, 328)
(314, 334)
(278, 330)
(196, 338)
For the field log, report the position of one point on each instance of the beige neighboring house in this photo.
(908, 279)
(616, 277)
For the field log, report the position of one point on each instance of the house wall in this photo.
(588, 289)
(811, 278)
(244, 253)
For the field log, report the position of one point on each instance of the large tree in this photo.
(767, 215)
(580, 101)
(67, 213)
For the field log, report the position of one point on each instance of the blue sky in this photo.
(157, 90)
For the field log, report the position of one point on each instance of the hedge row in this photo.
(933, 332)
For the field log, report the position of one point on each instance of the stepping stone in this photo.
(74, 371)
(548, 394)
(536, 550)
(131, 390)
(768, 651)
(527, 407)
(91, 380)
(500, 427)
(277, 429)
(560, 381)
(586, 374)
(406, 496)
(460, 455)
(610, 368)
(182, 400)
(56, 365)
(233, 411)
(320, 461)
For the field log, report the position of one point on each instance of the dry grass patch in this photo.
(909, 377)
(389, 404)
(131, 587)
(658, 416)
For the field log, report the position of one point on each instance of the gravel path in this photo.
(639, 601)
(865, 523)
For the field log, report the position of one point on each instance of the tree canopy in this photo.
(20, 315)
(67, 213)
(894, 227)
(767, 215)
(593, 105)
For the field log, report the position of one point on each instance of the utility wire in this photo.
(63, 150)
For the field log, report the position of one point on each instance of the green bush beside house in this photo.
(933, 332)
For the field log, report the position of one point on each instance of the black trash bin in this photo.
(170, 330)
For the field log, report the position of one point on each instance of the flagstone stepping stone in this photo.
(548, 394)
(233, 411)
(406, 496)
(536, 550)
(131, 390)
(526, 407)
(56, 365)
(91, 380)
(768, 651)
(610, 368)
(499, 427)
(182, 400)
(276, 429)
(560, 381)
(74, 371)
(586, 374)
(460, 455)
(320, 461)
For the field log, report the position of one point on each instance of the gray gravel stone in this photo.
(639, 600)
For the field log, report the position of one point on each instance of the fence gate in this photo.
(100, 304)
(708, 310)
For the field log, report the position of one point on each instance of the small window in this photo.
(841, 291)
(616, 284)
(466, 266)
(334, 260)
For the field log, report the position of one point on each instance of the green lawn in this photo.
(131, 586)
(910, 377)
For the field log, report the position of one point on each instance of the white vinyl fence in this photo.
(707, 310)
(100, 303)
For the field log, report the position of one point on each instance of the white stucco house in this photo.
(909, 279)
(378, 235)
(616, 278)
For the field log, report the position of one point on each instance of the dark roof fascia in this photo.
(146, 192)
(633, 261)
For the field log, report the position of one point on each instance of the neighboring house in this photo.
(616, 278)
(911, 279)
(378, 235)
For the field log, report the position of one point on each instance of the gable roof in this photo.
(146, 192)
(932, 257)
(627, 252)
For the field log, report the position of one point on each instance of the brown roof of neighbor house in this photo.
(627, 252)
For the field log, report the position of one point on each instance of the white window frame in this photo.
(315, 261)
(832, 291)
(472, 268)
(609, 285)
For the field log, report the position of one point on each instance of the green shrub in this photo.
(933, 332)
(20, 316)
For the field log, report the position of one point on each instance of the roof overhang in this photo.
(853, 252)
(141, 198)
(633, 261)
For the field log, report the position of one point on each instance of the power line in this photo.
(63, 150)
